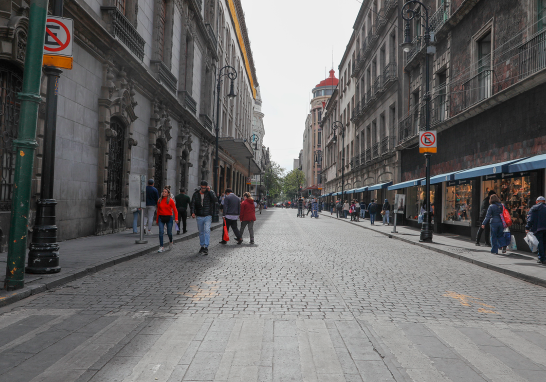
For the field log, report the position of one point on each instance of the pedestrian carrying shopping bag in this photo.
(531, 241)
(504, 241)
(225, 235)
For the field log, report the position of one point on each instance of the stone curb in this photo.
(518, 275)
(37, 287)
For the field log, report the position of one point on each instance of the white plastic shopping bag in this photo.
(513, 245)
(531, 241)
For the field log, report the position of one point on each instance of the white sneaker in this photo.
(161, 249)
(170, 246)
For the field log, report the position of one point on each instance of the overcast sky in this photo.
(292, 43)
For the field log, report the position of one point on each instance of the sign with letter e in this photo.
(58, 42)
(428, 142)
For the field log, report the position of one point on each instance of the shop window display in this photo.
(458, 202)
(415, 200)
(515, 194)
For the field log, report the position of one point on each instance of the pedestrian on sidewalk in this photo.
(248, 216)
(493, 216)
(372, 209)
(300, 207)
(332, 207)
(309, 207)
(261, 207)
(152, 196)
(487, 230)
(357, 211)
(201, 208)
(536, 223)
(363, 209)
(346, 208)
(182, 201)
(136, 215)
(232, 210)
(339, 208)
(314, 207)
(386, 210)
(165, 210)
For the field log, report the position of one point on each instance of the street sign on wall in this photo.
(428, 142)
(58, 42)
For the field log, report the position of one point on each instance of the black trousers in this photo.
(487, 234)
(233, 225)
(182, 216)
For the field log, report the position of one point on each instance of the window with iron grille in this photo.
(158, 166)
(162, 18)
(114, 182)
(11, 81)
(120, 4)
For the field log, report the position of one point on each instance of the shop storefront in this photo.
(457, 203)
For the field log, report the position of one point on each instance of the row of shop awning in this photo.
(512, 166)
(517, 165)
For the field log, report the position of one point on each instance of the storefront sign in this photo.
(428, 142)
(458, 182)
(505, 176)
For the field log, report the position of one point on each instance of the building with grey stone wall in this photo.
(140, 99)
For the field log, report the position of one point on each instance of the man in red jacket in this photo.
(248, 215)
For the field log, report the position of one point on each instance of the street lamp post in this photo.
(318, 161)
(412, 13)
(335, 126)
(231, 73)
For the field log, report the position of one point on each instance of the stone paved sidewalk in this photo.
(90, 254)
(518, 264)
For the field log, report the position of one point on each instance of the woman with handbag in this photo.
(496, 220)
(248, 215)
(165, 210)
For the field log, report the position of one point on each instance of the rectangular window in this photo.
(120, 5)
(458, 202)
(162, 19)
(484, 67)
(541, 14)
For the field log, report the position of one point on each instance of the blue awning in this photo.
(534, 163)
(361, 189)
(379, 186)
(409, 183)
(350, 191)
(496, 168)
(449, 176)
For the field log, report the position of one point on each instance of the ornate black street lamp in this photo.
(318, 161)
(335, 126)
(231, 73)
(409, 13)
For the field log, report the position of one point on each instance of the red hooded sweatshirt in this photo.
(248, 212)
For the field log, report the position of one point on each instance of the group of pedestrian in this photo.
(312, 206)
(357, 210)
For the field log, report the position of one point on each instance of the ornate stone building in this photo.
(140, 99)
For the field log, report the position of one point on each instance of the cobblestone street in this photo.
(312, 300)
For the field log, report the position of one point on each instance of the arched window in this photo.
(114, 185)
(11, 81)
(158, 163)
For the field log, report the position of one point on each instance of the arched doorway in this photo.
(114, 181)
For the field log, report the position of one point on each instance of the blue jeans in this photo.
(541, 236)
(162, 231)
(345, 214)
(372, 217)
(386, 217)
(203, 225)
(362, 213)
(497, 231)
(136, 215)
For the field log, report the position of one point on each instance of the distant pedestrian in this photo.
(372, 209)
(309, 207)
(493, 216)
(332, 207)
(314, 208)
(152, 196)
(483, 212)
(346, 208)
(300, 204)
(536, 223)
(339, 209)
(357, 211)
(201, 207)
(248, 216)
(261, 206)
(182, 202)
(232, 210)
(363, 209)
(165, 210)
(386, 210)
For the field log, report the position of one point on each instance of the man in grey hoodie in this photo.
(232, 209)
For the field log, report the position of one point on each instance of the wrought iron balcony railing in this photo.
(438, 106)
(439, 18)
(368, 155)
(385, 145)
(412, 123)
(532, 55)
(416, 48)
(124, 30)
(390, 73)
(389, 6)
(477, 88)
(377, 85)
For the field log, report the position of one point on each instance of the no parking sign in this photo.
(58, 42)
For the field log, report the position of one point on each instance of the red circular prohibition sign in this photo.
(428, 135)
(62, 46)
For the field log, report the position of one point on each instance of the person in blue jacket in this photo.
(536, 223)
(493, 216)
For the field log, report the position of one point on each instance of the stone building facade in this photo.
(140, 99)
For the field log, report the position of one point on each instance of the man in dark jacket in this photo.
(202, 206)
(372, 209)
(300, 208)
(483, 212)
(152, 197)
(536, 223)
(232, 210)
(182, 200)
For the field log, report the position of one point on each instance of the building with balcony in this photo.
(312, 156)
(139, 100)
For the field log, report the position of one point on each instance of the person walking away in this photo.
(372, 209)
(352, 210)
(363, 209)
(182, 200)
(309, 207)
(300, 207)
(332, 207)
(314, 206)
(536, 223)
(248, 216)
(261, 207)
(493, 216)
(346, 208)
(483, 212)
(386, 211)
(339, 208)
(152, 196)
(232, 209)
(357, 211)
(136, 214)
(165, 210)
(201, 208)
